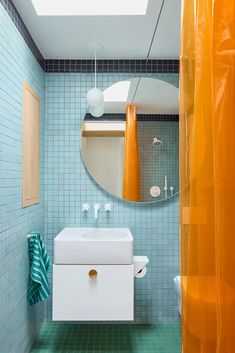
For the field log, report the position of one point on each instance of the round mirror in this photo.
(131, 151)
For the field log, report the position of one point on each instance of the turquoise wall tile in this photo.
(158, 161)
(68, 185)
(65, 185)
(19, 324)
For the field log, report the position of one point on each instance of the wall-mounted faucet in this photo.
(166, 187)
(107, 208)
(96, 208)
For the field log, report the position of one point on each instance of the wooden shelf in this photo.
(103, 133)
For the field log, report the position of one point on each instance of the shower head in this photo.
(157, 142)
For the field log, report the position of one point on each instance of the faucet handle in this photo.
(108, 207)
(85, 207)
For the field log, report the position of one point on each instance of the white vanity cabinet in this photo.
(93, 292)
(103, 291)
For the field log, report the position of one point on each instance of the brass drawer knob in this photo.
(93, 274)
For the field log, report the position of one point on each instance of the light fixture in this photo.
(97, 112)
(90, 7)
(95, 97)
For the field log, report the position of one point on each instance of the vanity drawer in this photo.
(93, 292)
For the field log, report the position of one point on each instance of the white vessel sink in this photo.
(105, 234)
(94, 246)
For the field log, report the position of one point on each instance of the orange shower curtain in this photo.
(131, 178)
(207, 175)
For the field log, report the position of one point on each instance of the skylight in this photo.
(90, 7)
(117, 92)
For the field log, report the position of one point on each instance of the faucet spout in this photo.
(96, 208)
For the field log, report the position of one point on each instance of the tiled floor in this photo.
(76, 338)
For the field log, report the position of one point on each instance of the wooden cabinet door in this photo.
(31, 147)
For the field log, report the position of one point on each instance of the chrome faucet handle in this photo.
(85, 207)
(108, 207)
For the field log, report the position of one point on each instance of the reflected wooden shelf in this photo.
(103, 129)
(103, 133)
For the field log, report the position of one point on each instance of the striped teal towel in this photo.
(39, 288)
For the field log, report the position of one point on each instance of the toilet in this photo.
(201, 303)
(177, 291)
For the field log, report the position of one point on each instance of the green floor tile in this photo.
(77, 338)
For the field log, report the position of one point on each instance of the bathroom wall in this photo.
(19, 324)
(158, 161)
(68, 185)
(100, 153)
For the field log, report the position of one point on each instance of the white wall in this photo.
(100, 152)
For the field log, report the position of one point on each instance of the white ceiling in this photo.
(123, 37)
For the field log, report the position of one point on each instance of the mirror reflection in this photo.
(131, 151)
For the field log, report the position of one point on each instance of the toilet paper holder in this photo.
(140, 263)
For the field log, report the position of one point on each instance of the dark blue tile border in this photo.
(87, 66)
(17, 20)
(132, 66)
(140, 117)
(158, 117)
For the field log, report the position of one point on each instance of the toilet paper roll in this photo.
(141, 273)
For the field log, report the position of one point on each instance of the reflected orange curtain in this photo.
(131, 178)
(207, 175)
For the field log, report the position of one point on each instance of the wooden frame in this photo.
(103, 129)
(103, 133)
(31, 146)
